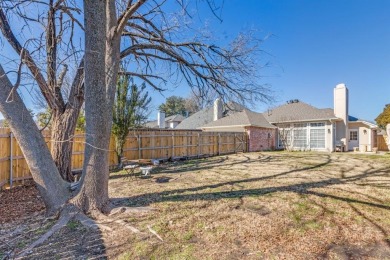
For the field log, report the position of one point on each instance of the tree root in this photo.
(70, 212)
(130, 210)
(65, 216)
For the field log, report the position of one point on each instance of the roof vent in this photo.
(292, 101)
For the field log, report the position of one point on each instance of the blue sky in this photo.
(312, 46)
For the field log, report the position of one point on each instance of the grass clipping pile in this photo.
(245, 206)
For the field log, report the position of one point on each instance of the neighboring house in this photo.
(304, 127)
(261, 134)
(169, 122)
(209, 114)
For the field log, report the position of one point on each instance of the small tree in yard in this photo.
(131, 109)
(384, 118)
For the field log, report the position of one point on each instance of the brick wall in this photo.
(261, 139)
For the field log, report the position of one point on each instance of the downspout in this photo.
(11, 180)
(332, 135)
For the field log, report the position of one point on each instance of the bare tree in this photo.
(285, 136)
(48, 57)
(151, 40)
(143, 35)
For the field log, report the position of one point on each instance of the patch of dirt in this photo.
(20, 202)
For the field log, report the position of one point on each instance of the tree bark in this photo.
(64, 124)
(52, 188)
(93, 195)
(62, 131)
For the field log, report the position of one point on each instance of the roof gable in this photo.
(244, 118)
(206, 116)
(298, 111)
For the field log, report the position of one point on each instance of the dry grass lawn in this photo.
(275, 205)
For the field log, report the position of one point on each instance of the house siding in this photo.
(261, 139)
(365, 136)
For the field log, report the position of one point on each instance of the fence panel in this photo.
(140, 144)
(382, 146)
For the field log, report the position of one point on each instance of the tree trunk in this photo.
(64, 125)
(52, 188)
(62, 131)
(119, 143)
(93, 195)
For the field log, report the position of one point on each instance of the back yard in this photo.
(247, 206)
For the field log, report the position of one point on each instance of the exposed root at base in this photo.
(128, 210)
(65, 216)
(71, 212)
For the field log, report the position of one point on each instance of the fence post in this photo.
(235, 146)
(219, 140)
(198, 144)
(11, 177)
(139, 146)
(173, 144)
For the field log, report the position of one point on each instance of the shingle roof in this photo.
(298, 111)
(244, 118)
(173, 118)
(206, 115)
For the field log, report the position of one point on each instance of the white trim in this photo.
(227, 126)
(370, 125)
(314, 120)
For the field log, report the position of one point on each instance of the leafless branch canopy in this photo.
(45, 43)
(161, 47)
(157, 43)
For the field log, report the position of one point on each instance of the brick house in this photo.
(261, 134)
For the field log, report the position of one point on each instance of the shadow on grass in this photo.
(206, 192)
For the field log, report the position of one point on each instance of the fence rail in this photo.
(140, 144)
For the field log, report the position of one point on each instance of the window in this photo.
(317, 135)
(317, 124)
(317, 138)
(284, 137)
(353, 135)
(300, 136)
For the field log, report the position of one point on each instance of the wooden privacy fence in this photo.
(140, 144)
(381, 142)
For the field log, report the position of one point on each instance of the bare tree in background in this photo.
(195, 102)
(145, 35)
(50, 53)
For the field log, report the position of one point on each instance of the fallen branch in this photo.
(131, 228)
(154, 233)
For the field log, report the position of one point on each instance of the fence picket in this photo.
(140, 144)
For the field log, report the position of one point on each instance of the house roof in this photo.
(353, 119)
(298, 111)
(173, 118)
(206, 116)
(244, 118)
